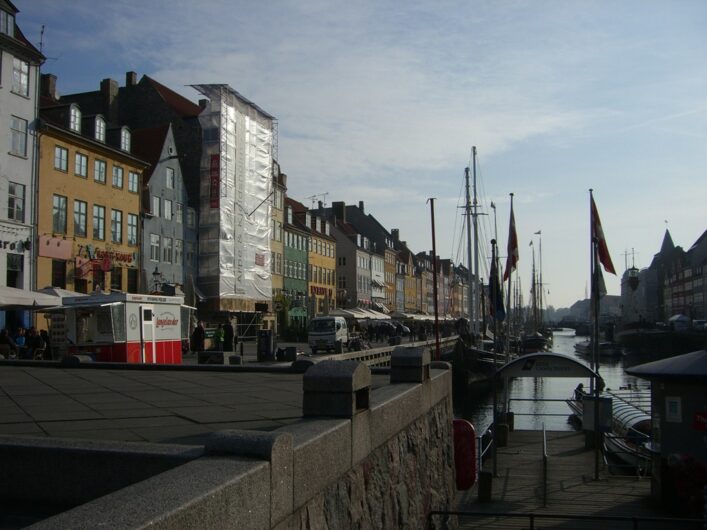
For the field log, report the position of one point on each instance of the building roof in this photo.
(148, 144)
(177, 102)
(688, 366)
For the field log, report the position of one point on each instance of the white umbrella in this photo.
(12, 298)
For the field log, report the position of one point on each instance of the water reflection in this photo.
(535, 401)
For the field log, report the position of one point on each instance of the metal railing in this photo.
(381, 356)
(480, 449)
(635, 522)
(544, 467)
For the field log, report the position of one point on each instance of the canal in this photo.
(535, 401)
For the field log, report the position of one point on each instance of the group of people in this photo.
(224, 338)
(25, 344)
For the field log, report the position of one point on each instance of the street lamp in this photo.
(157, 279)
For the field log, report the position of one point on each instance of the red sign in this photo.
(215, 177)
(54, 247)
(699, 422)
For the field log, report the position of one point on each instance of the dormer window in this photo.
(308, 220)
(75, 119)
(7, 23)
(125, 139)
(100, 133)
(289, 214)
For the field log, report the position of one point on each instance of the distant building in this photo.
(297, 241)
(19, 85)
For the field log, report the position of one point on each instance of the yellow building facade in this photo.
(88, 221)
(321, 269)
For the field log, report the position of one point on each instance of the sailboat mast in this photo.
(476, 240)
(470, 286)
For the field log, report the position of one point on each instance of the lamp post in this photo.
(157, 279)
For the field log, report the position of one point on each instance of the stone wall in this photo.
(378, 458)
(396, 486)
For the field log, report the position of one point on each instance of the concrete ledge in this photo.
(409, 365)
(275, 447)
(71, 472)
(440, 385)
(394, 407)
(210, 492)
(322, 453)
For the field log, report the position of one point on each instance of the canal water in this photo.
(535, 401)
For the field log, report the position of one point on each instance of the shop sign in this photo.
(14, 246)
(700, 421)
(321, 291)
(215, 181)
(166, 319)
(55, 247)
(93, 253)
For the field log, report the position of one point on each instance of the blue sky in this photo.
(381, 102)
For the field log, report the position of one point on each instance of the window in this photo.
(116, 226)
(178, 213)
(169, 178)
(80, 213)
(20, 77)
(59, 273)
(278, 198)
(59, 214)
(61, 158)
(16, 202)
(81, 165)
(125, 139)
(155, 206)
(15, 266)
(100, 133)
(75, 119)
(132, 229)
(167, 249)
(99, 222)
(191, 247)
(116, 278)
(133, 181)
(191, 218)
(154, 247)
(178, 251)
(117, 177)
(99, 171)
(168, 209)
(132, 280)
(18, 136)
(7, 23)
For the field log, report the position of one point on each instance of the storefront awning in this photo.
(12, 298)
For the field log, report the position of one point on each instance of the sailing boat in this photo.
(536, 338)
(471, 363)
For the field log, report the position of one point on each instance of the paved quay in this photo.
(168, 406)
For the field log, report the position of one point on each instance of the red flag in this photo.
(512, 258)
(598, 236)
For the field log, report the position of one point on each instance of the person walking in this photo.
(228, 336)
(218, 338)
(197, 337)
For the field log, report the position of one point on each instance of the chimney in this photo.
(130, 78)
(395, 232)
(109, 91)
(48, 86)
(338, 208)
(360, 207)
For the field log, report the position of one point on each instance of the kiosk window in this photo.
(103, 321)
(118, 314)
(146, 315)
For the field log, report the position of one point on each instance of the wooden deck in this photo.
(571, 488)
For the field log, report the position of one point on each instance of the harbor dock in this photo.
(569, 497)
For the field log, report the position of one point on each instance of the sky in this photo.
(382, 101)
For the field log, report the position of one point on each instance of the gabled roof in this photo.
(178, 103)
(148, 144)
(700, 240)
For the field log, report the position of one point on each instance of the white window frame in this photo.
(59, 208)
(125, 139)
(132, 229)
(81, 165)
(99, 222)
(80, 218)
(178, 212)
(61, 158)
(167, 249)
(116, 226)
(117, 177)
(16, 201)
(18, 136)
(100, 132)
(155, 247)
(75, 118)
(133, 181)
(156, 205)
(100, 167)
(20, 77)
(169, 178)
(167, 207)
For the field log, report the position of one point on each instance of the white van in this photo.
(328, 333)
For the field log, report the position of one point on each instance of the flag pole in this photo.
(594, 385)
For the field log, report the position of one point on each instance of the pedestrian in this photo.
(197, 337)
(35, 344)
(228, 336)
(218, 338)
(9, 342)
(47, 344)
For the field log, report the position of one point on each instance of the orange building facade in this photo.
(88, 211)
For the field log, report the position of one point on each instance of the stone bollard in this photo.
(409, 365)
(336, 388)
(485, 486)
(501, 435)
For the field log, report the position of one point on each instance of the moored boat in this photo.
(607, 349)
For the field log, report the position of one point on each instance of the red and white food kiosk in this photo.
(128, 328)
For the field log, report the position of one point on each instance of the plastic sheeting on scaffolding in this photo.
(235, 187)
